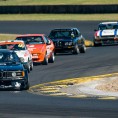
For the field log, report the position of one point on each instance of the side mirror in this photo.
(48, 42)
(21, 59)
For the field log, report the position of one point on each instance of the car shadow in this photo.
(64, 54)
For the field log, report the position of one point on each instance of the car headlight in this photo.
(13, 74)
(18, 74)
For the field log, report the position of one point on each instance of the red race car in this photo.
(40, 46)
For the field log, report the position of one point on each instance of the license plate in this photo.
(35, 56)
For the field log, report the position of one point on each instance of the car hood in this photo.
(20, 53)
(36, 48)
(9, 67)
(109, 32)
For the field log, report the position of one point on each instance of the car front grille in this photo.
(7, 74)
(59, 44)
(3, 74)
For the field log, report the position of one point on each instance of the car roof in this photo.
(25, 35)
(64, 29)
(109, 23)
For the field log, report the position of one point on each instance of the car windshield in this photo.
(108, 26)
(61, 34)
(31, 39)
(13, 46)
(7, 57)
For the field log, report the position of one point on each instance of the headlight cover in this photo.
(18, 74)
(97, 37)
(13, 74)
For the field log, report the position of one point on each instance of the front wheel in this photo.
(45, 61)
(52, 58)
(27, 66)
(31, 66)
(96, 45)
(24, 86)
(76, 49)
(82, 49)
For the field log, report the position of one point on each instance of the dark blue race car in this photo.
(12, 72)
(68, 40)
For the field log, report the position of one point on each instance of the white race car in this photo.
(107, 34)
(21, 50)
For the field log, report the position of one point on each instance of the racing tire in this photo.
(45, 61)
(96, 45)
(76, 50)
(82, 49)
(55, 53)
(31, 66)
(52, 58)
(25, 86)
(28, 67)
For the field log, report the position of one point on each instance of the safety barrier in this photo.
(77, 9)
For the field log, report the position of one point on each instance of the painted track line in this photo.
(53, 88)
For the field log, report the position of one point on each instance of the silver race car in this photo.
(106, 34)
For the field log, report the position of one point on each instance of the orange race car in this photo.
(40, 46)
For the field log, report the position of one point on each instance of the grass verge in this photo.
(60, 17)
(4, 37)
(56, 2)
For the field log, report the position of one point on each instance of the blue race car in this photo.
(12, 72)
(68, 40)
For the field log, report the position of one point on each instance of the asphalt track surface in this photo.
(96, 61)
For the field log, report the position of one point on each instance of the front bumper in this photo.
(106, 41)
(37, 57)
(12, 83)
(64, 48)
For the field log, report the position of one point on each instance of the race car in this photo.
(40, 46)
(21, 50)
(13, 75)
(106, 34)
(68, 40)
